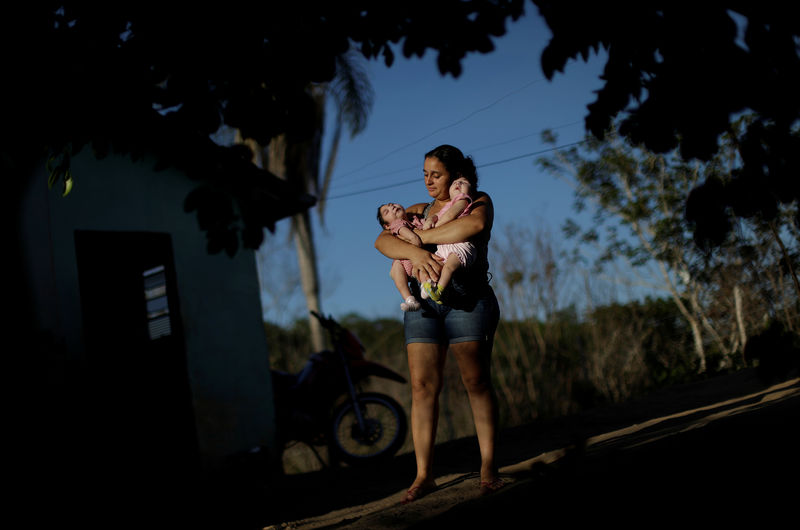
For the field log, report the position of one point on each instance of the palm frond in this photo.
(352, 91)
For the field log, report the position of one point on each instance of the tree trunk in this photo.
(737, 298)
(690, 317)
(296, 162)
(698, 310)
(307, 263)
(698, 344)
(694, 324)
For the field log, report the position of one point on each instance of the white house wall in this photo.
(219, 296)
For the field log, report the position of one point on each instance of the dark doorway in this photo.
(139, 407)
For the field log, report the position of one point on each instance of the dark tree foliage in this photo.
(679, 74)
(80, 75)
(103, 76)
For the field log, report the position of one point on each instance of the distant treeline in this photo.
(541, 369)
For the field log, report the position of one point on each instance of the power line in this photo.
(494, 163)
(336, 184)
(504, 142)
(465, 118)
(498, 162)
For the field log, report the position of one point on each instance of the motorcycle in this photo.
(323, 404)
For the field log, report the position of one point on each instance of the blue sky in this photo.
(495, 112)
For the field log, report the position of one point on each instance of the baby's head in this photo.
(390, 212)
(460, 186)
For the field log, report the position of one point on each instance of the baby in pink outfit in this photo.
(456, 255)
(393, 217)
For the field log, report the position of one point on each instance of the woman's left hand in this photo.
(425, 264)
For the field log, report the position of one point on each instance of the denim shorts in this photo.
(444, 324)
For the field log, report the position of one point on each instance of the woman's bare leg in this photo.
(474, 365)
(426, 369)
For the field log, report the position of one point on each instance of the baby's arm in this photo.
(480, 217)
(408, 235)
(459, 205)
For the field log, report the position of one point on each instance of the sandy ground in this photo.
(726, 449)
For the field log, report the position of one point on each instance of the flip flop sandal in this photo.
(416, 493)
(490, 486)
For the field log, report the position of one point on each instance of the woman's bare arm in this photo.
(421, 260)
(395, 248)
(479, 219)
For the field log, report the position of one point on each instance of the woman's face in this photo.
(437, 178)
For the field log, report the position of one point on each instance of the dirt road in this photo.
(724, 449)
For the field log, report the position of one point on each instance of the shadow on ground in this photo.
(716, 450)
(726, 449)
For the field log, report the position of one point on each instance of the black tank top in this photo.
(468, 283)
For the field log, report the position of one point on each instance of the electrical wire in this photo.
(416, 179)
(440, 129)
(336, 185)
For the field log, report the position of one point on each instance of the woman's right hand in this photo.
(426, 264)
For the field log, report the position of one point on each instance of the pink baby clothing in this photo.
(397, 224)
(453, 201)
(464, 250)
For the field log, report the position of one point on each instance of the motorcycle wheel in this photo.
(385, 432)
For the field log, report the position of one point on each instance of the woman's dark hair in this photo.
(456, 163)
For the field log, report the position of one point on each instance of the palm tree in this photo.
(300, 162)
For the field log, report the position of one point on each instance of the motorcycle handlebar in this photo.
(327, 322)
(338, 334)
